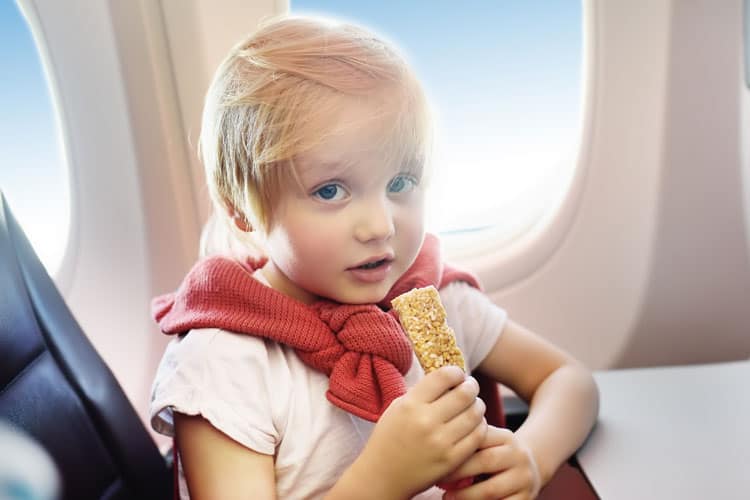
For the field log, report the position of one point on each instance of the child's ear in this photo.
(238, 218)
(241, 222)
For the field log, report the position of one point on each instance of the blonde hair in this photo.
(265, 104)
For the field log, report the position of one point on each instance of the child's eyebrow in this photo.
(323, 169)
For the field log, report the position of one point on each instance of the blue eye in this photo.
(401, 184)
(330, 192)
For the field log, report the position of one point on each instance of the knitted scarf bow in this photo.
(361, 348)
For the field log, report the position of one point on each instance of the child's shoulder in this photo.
(223, 375)
(215, 364)
(217, 350)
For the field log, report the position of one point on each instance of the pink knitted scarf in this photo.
(361, 348)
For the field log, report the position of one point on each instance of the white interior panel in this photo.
(200, 33)
(105, 273)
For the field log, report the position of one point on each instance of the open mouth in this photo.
(372, 265)
(374, 270)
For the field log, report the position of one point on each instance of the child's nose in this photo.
(375, 221)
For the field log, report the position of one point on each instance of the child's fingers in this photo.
(437, 383)
(510, 484)
(487, 461)
(497, 436)
(465, 422)
(512, 469)
(493, 455)
(457, 400)
(466, 446)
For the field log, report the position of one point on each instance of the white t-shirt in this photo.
(261, 395)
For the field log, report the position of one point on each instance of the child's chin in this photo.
(361, 297)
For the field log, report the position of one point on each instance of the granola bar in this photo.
(423, 318)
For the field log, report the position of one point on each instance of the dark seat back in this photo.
(54, 385)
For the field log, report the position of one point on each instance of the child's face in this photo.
(356, 224)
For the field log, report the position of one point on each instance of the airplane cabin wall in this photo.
(654, 267)
(699, 285)
(105, 275)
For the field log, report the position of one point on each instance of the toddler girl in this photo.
(289, 378)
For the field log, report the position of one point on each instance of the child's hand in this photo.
(426, 433)
(514, 472)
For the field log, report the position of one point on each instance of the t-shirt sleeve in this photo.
(475, 319)
(232, 380)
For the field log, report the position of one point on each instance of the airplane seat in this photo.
(55, 386)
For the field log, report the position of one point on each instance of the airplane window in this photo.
(504, 79)
(33, 174)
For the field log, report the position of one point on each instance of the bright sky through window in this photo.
(33, 175)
